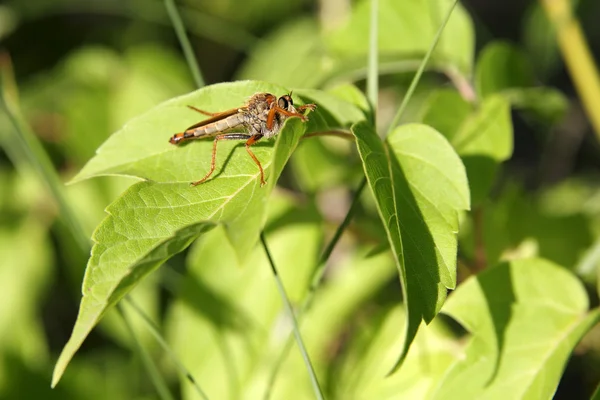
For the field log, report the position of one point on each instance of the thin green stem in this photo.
(320, 269)
(23, 145)
(373, 60)
(318, 274)
(156, 378)
(157, 335)
(184, 42)
(417, 77)
(290, 311)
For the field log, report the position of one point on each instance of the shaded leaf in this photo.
(502, 66)
(539, 40)
(546, 105)
(525, 317)
(419, 185)
(504, 69)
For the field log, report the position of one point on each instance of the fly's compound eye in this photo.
(283, 102)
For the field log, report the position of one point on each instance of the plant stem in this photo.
(373, 60)
(184, 42)
(288, 306)
(156, 378)
(315, 283)
(417, 77)
(577, 56)
(319, 271)
(157, 335)
(23, 145)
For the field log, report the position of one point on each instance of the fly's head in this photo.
(285, 102)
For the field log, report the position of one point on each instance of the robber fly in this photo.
(262, 116)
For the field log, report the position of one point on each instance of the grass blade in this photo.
(184, 42)
(155, 332)
(371, 82)
(373, 60)
(417, 77)
(296, 329)
(156, 378)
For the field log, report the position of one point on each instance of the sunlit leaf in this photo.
(419, 185)
(230, 310)
(483, 137)
(374, 349)
(522, 331)
(25, 275)
(153, 221)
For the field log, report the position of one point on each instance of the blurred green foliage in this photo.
(528, 252)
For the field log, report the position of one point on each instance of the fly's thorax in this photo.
(252, 123)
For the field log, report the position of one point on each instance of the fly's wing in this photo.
(217, 117)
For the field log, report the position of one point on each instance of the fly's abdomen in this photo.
(208, 130)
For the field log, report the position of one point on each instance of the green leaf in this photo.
(25, 277)
(406, 30)
(339, 112)
(539, 40)
(99, 91)
(525, 317)
(142, 149)
(338, 300)
(483, 137)
(324, 161)
(505, 69)
(153, 221)
(550, 223)
(419, 185)
(371, 353)
(252, 307)
(351, 94)
(546, 105)
(502, 66)
(290, 55)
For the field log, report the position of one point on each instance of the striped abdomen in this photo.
(208, 130)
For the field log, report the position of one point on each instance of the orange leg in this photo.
(277, 109)
(203, 112)
(290, 113)
(249, 143)
(226, 136)
(305, 107)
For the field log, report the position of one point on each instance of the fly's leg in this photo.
(253, 139)
(226, 136)
(305, 107)
(204, 112)
(289, 113)
(277, 109)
